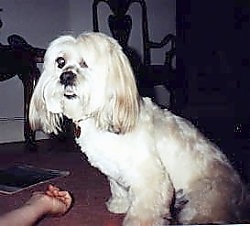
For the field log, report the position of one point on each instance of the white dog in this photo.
(154, 160)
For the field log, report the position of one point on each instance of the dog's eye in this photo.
(83, 64)
(60, 62)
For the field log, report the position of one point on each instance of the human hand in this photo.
(53, 201)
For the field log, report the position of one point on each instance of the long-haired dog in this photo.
(153, 159)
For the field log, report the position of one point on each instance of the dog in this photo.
(148, 154)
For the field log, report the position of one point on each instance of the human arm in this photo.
(52, 202)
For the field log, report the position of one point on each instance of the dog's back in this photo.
(213, 189)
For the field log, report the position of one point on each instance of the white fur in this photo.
(147, 153)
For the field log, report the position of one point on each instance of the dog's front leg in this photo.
(119, 201)
(151, 197)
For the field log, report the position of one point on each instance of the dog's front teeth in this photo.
(69, 92)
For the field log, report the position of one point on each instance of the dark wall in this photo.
(213, 45)
(213, 37)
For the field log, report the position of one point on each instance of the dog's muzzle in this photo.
(67, 78)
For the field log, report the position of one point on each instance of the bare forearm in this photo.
(53, 202)
(26, 215)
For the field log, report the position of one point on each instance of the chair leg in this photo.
(29, 81)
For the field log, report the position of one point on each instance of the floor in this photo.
(88, 186)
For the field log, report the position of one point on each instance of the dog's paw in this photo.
(116, 205)
(136, 221)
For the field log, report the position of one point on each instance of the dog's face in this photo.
(87, 76)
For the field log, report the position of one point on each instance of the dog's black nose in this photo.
(67, 78)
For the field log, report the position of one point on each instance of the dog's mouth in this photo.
(69, 92)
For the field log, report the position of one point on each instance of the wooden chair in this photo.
(18, 58)
(147, 74)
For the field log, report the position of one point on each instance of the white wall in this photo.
(40, 21)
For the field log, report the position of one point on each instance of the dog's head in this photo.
(87, 76)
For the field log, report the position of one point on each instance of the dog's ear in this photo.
(45, 110)
(122, 98)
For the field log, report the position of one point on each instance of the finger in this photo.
(63, 194)
(65, 197)
(53, 188)
(49, 193)
(52, 193)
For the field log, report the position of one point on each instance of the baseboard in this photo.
(11, 130)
